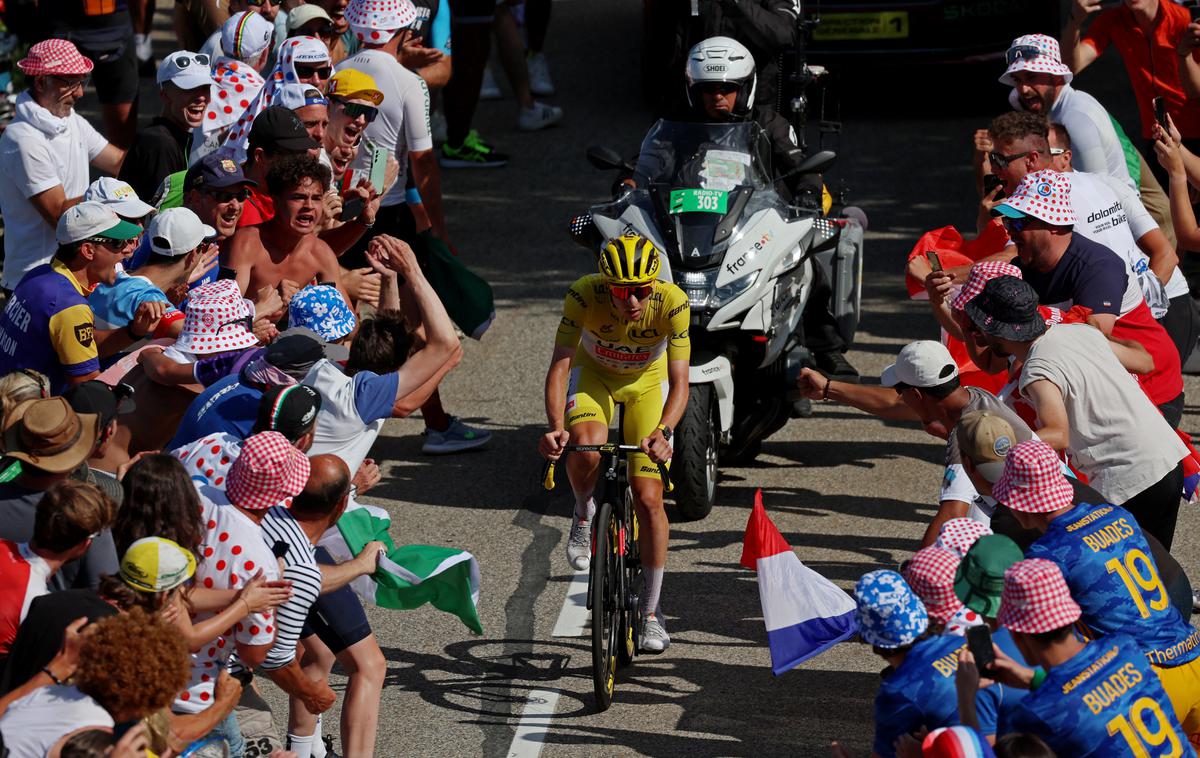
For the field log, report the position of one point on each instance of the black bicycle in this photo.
(615, 580)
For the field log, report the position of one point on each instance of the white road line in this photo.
(573, 618)
(534, 725)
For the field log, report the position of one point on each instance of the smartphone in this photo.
(1160, 111)
(224, 272)
(352, 207)
(934, 261)
(990, 183)
(378, 170)
(979, 642)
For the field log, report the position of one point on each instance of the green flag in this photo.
(411, 575)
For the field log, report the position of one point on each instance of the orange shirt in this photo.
(1152, 62)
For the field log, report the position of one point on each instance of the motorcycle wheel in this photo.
(694, 467)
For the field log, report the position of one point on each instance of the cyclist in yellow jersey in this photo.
(623, 339)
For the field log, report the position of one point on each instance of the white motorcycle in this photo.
(746, 259)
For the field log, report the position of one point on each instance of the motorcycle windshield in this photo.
(699, 171)
(715, 157)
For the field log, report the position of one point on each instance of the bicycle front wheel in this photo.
(605, 601)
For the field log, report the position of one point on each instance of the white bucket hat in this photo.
(1038, 53)
(217, 319)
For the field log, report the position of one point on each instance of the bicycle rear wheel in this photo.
(606, 604)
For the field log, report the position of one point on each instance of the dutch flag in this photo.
(804, 612)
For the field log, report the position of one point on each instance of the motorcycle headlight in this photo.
(698, 285)
(729, 291)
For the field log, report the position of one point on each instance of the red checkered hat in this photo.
(56, 57)
(1036, 599)
(1033, 480)
(1044, 195)
(930, 573)
(217, 319)
(958, 534)
(981, 274)
(1038, 53)
(268, 472)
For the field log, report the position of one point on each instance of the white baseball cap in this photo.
(923, 363)
(177, 231)
(245, 35)
(92, 219)
(185, 70)
(300, 16)
(118, 196)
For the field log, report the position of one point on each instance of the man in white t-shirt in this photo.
(268, 472)
(44, 156)
(923, 385)
(402, 123)
(1086, 402)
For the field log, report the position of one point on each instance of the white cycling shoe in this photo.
(579, 544)
(654, 636)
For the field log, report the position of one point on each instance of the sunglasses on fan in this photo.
(354, 110)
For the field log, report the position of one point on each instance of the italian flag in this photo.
(408, 576)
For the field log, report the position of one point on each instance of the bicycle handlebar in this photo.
(548, 476)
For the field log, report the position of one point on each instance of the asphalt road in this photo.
(850, 493)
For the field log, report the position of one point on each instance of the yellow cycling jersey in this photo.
(591, 322)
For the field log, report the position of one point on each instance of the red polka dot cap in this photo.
(1044, 195)
(373, 21)
(217, 319)
(930, 573)
(1038, 53)
(269, 472)
(1036, 598)
(958, 534)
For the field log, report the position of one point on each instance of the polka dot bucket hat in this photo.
(1044, 195)
(373, 21)
(217, 319)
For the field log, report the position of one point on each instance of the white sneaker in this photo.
(437, 126)
(489, 90)
(456, 438)
(538, 117)
(654, 636)
(539, 75)
(579, 544)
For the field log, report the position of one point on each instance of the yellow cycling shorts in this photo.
(1182, 684)
(592, 394)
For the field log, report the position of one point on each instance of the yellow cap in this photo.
(156, 564)
(349, 84)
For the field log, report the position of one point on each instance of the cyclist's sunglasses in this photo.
(321, 72)
(1021, 53)
(640, 292)
(224, 196)
(354, 110)
(1001, 160)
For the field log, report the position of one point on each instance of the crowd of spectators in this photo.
(199, 349)
(1044, 613)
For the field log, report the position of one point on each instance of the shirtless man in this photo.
(285, 252)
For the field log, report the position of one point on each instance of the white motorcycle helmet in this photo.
(722, 59)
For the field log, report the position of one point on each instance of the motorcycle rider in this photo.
(673, 27)
(721, 87)
(623, 338)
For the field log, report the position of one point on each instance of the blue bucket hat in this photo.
(889, 614)
(322, 308)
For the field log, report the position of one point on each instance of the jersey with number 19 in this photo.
(1106, 561)
(1103, 703)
